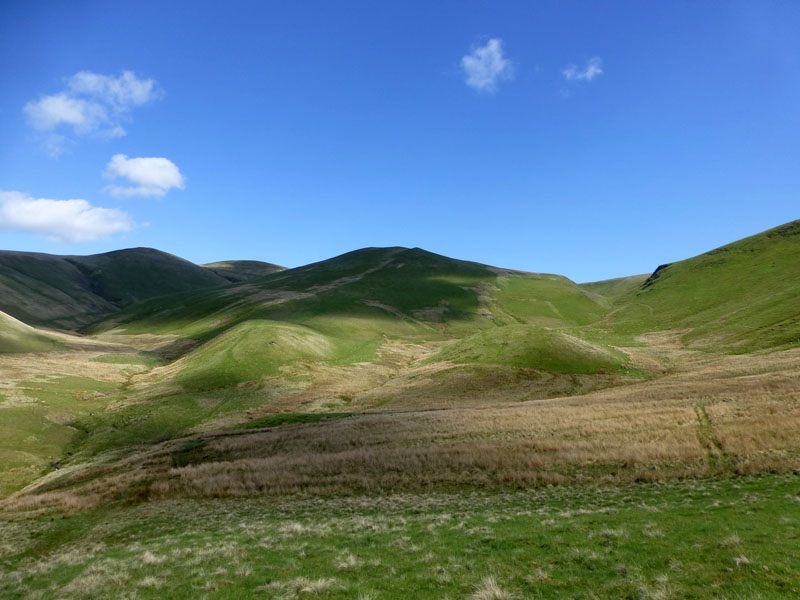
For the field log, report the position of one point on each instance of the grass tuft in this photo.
(489, 589)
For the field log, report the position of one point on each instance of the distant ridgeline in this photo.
(68, 292)
(248, 318)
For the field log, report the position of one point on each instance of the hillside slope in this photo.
(71, 291)
(128, 276)
(396, 329)
(532, 347)
(237, 271)
(611, 291)
(740, 297)
(16, 336)
(340, 311)
(410, 289)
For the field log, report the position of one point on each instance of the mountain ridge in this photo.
(387, 330)
(410, 290)
(71, 291)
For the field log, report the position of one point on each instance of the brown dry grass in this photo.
(711, 414)
(399, 379)
(15, 369)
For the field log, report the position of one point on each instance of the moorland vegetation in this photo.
(391, 394)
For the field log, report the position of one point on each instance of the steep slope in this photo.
(128, 276)
(250, 351)
(237, 271)
(350, 305)
(740, 297)
(45, 289)
(15, 336)
(611, 291)
(416, 290)
(532, 347)
(70, 291)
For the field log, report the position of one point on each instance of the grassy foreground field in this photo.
(732, 538)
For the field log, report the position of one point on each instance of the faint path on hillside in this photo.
(253, 293)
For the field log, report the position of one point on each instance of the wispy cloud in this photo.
(593, 68)
(69, 221)
(486, 65)
(91, 104)
(151, 176)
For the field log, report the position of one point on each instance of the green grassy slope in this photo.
(34, 434)
(49, 290)
(533, 347)
(128, 276)
(611, 291)
(408, 290)
(237, 271)
(251, 350)
(71, 291)
(15, 336)
(343, 310)
(548, 300)
(740, 297)
(347, 305)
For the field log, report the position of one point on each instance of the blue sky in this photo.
(590, 139)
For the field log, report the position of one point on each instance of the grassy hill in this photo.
(740, 297)
(378, 312)
(71, 291)
(399, 327)
(392, 422)
(429, 292)
(340, 311)
(251, 350)
(611, 291)
(128, 276)
(49, 290)
(237, 271)
(533, 347)
(16, 336)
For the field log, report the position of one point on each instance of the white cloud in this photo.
(485, 66)
(91, 104)
(60, 220)
(51, 111)
(152, 176)
(120, 92)
(593, 68)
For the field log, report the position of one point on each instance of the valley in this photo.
(399, 391)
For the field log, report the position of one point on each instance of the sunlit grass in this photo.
(727, 538)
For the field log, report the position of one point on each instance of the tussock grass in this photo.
(732, 416)
(397, 490)
(490, 590)
(300, 587)
(551, 543)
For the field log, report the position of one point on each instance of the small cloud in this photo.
(152, 176)
(69, 221)
(486, 65)
(51, 111)
(92, 104)
(121, 93)
(593, 68)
